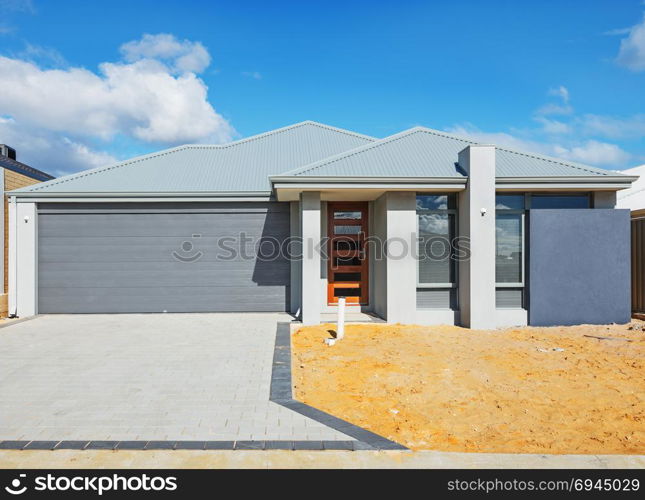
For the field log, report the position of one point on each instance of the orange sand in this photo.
(452, 389)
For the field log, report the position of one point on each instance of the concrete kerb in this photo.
(282, 394)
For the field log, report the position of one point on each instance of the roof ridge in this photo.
(365, 147)
(280, 130)
(149, 156)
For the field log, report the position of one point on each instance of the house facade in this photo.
(13, 175)
(419, 227)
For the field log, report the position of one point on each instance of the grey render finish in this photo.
(579, 267)
(119, 259)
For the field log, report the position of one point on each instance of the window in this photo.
(437, 266)
(509, 250)
(539, 201)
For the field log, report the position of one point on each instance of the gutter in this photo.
(36, 196)
(367, 180)
(574, 179)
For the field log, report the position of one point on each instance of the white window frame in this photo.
(448, 211)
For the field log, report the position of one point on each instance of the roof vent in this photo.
(7, 151)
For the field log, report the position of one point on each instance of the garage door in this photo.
(197, 257)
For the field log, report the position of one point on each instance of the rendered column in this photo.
(477, 224)
(401, 263)
(310, 228)
(23, 262)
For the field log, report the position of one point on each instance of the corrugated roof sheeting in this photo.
(517, 164)
(242, 166)
(422, 152)
(302, 150)
(415, 153)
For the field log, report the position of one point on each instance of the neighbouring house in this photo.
(634, 200)
(419, 227)
(13, 175)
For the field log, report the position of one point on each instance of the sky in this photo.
(84, 84)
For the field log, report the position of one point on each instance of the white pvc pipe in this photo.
(340, 329)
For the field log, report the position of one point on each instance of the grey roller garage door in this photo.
(196, 257)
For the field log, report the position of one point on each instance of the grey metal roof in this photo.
(417, 152)
(510, 163)
(241, 166)
(423, 152)
(303, 150)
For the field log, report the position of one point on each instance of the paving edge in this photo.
(282, 394)
(179, 445)
(17, 321)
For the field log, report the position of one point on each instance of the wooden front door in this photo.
(347, 269)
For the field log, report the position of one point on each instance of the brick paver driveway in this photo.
(145, 377)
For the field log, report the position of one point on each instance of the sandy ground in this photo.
(523, 390)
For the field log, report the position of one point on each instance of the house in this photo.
(419, 227)
(13, 175)
(633, 199)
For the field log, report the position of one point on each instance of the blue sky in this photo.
(86, 83)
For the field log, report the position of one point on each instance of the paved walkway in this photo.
(145, 377)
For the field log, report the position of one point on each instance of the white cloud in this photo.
(632, 49)
(142, 99)
(18, 6)
(594, 153)
(562, 92)
(46, 56)
(50, 152)
(153, 97)
(255, 75)
(612, 127)
(555, 109)
(553, 127)
(617, 31)
(590, 152)
(561, 108)
(181, 56)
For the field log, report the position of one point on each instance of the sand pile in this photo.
(532, 390)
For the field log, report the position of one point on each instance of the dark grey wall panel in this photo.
(579, 267)
(127, 258)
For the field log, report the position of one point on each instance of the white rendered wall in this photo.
(401, 283)
(604, 199)
(477, 222)
(23, 259)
